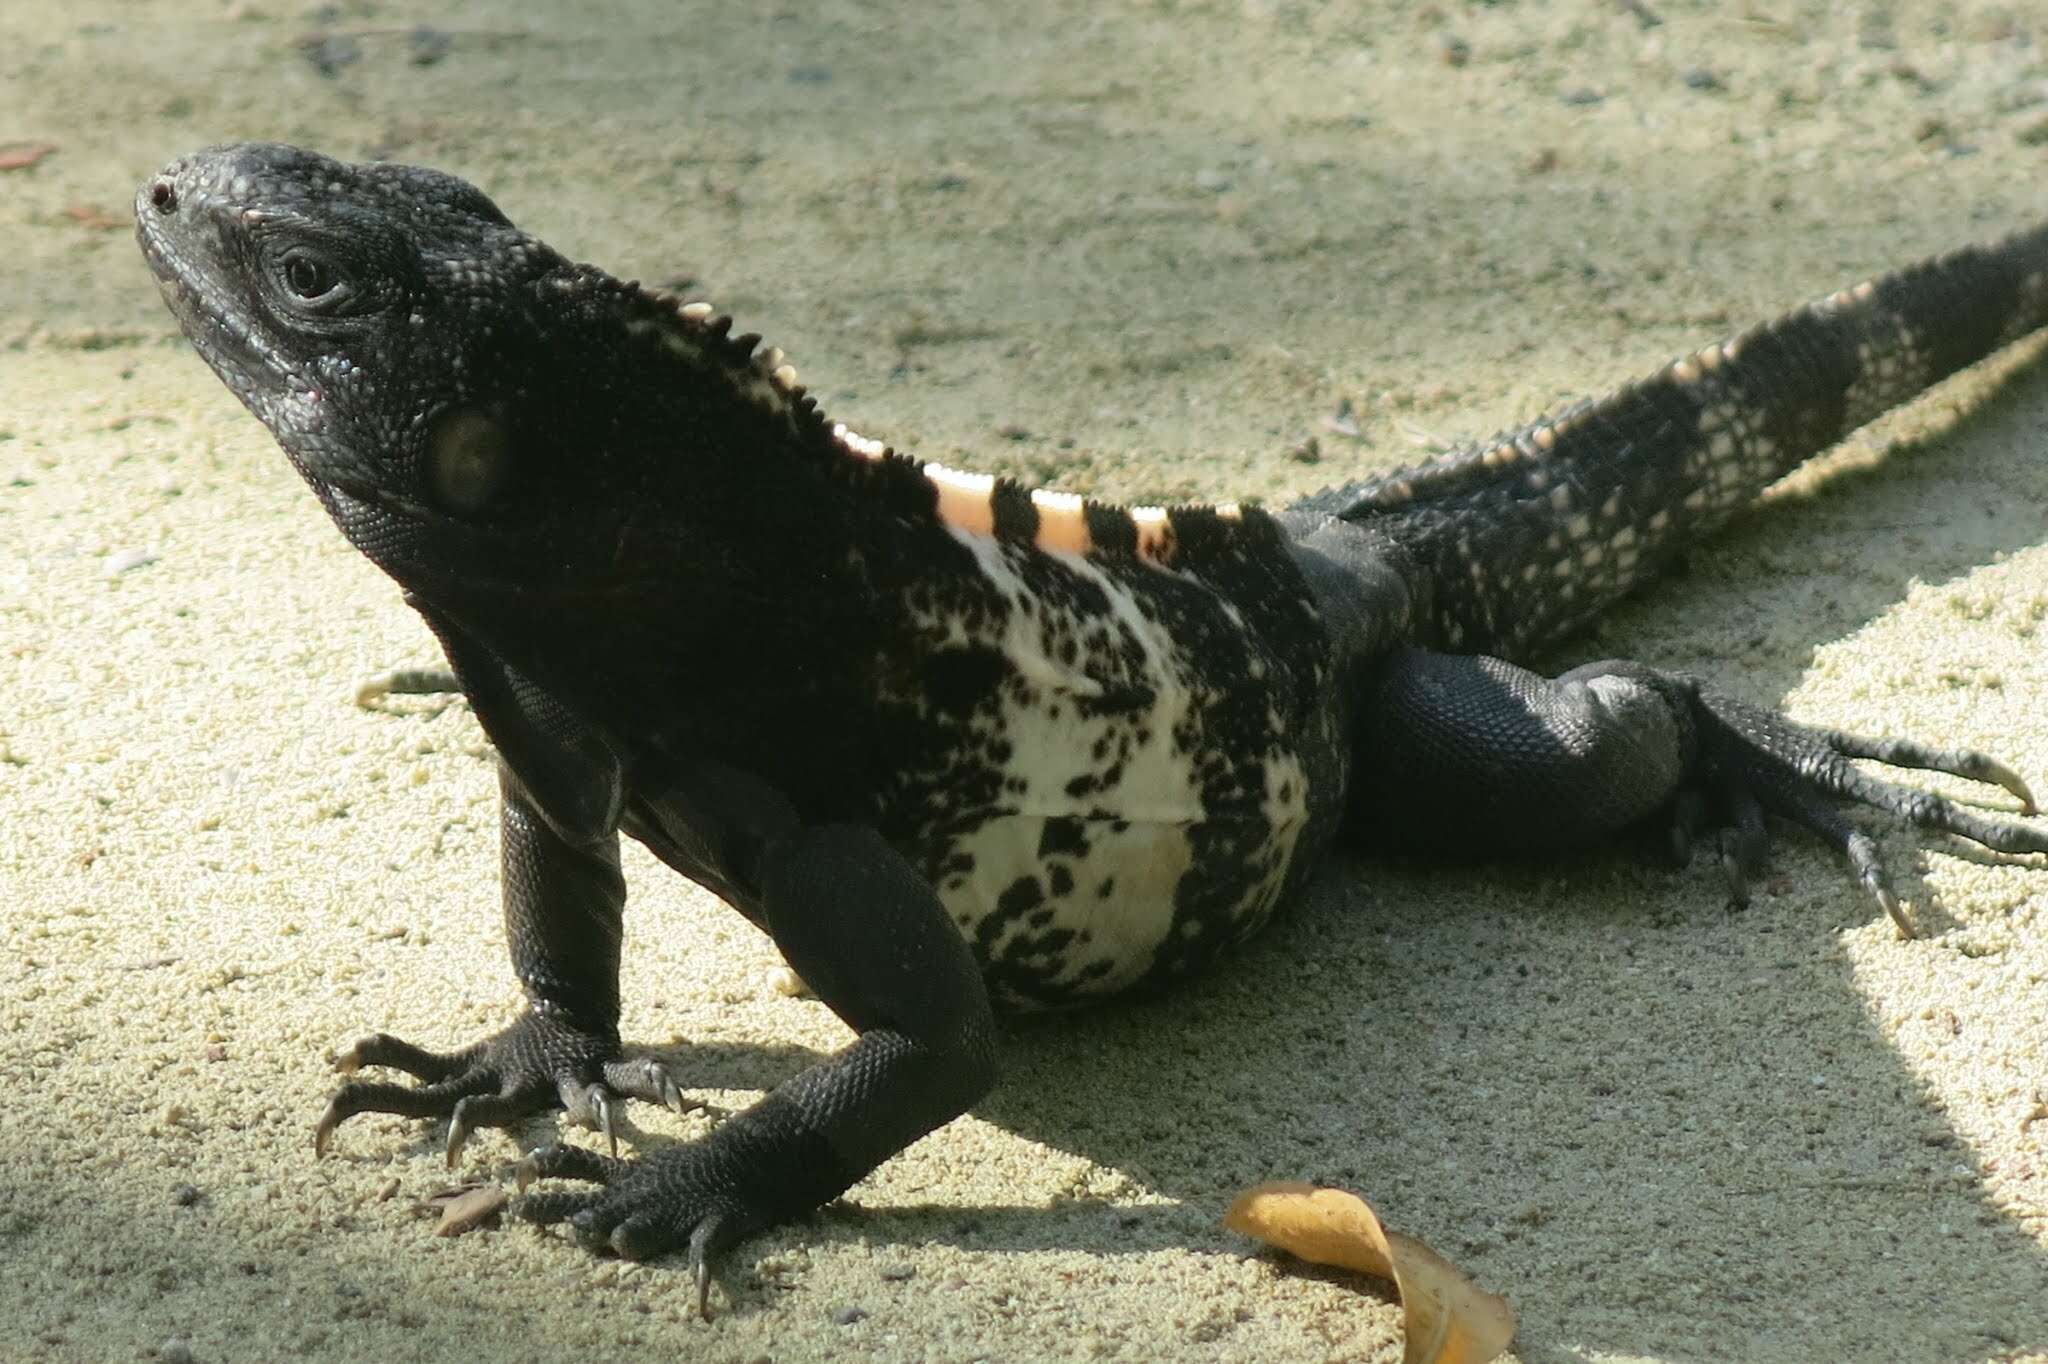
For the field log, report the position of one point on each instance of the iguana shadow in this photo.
(1658, 1127)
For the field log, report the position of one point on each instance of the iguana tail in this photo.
(1523, 540)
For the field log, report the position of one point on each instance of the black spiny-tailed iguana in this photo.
(956, 743)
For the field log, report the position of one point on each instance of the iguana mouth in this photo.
(367, 495)
(242, 356)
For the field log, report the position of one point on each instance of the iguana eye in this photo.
(468, 458)
(308, 276)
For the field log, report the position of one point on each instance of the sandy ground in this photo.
(1142, 250)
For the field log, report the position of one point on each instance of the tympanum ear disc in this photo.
(469, 458)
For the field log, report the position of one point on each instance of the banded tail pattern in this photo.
(1528, 537)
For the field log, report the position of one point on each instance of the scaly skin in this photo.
(952, 742)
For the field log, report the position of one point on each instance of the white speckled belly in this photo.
(1124, 797)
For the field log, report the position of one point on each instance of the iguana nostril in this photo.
(163, 197)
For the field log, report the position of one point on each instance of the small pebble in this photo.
(174, 1351)
(329, 52)
(898, 1273)
(126, 561)
(427, 45)
(784, 980)
(1344, 421)
(847, 1316)
(185, 1195)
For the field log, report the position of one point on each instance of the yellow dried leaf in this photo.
(463, 1209)
(1447, 1318)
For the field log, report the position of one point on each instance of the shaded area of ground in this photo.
(1142, 251)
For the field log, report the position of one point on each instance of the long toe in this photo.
(558, 1161)
(1966, 763)
(427, 1101)
(640, 1237)
(593, 1224)
(1797, 773)
(382, 1049)
(644, 1078)
(485, 1110)
(546, 1209)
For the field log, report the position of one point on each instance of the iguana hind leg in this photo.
(1482, 755)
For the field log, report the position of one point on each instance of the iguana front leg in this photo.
(563, 902)
(869, 934)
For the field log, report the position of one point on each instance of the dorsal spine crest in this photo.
(962, 501)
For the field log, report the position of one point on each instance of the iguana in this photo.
(956, 743)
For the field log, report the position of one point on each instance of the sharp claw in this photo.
(604, 1122)
(404, 682)
(1870, 871)
(672, 1093)
(323, 1130)
(1732, 871)
(714, 1236)
(1897, 911)
(350, 1060)
(458, 1132)
(1985, 768)
(527, 1171)
(2014, 783)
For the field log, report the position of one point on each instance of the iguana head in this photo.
(369, 315)
(476, 411)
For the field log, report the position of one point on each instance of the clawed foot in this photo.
(702, 1197)
(1754, 762)
(540, 1062)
